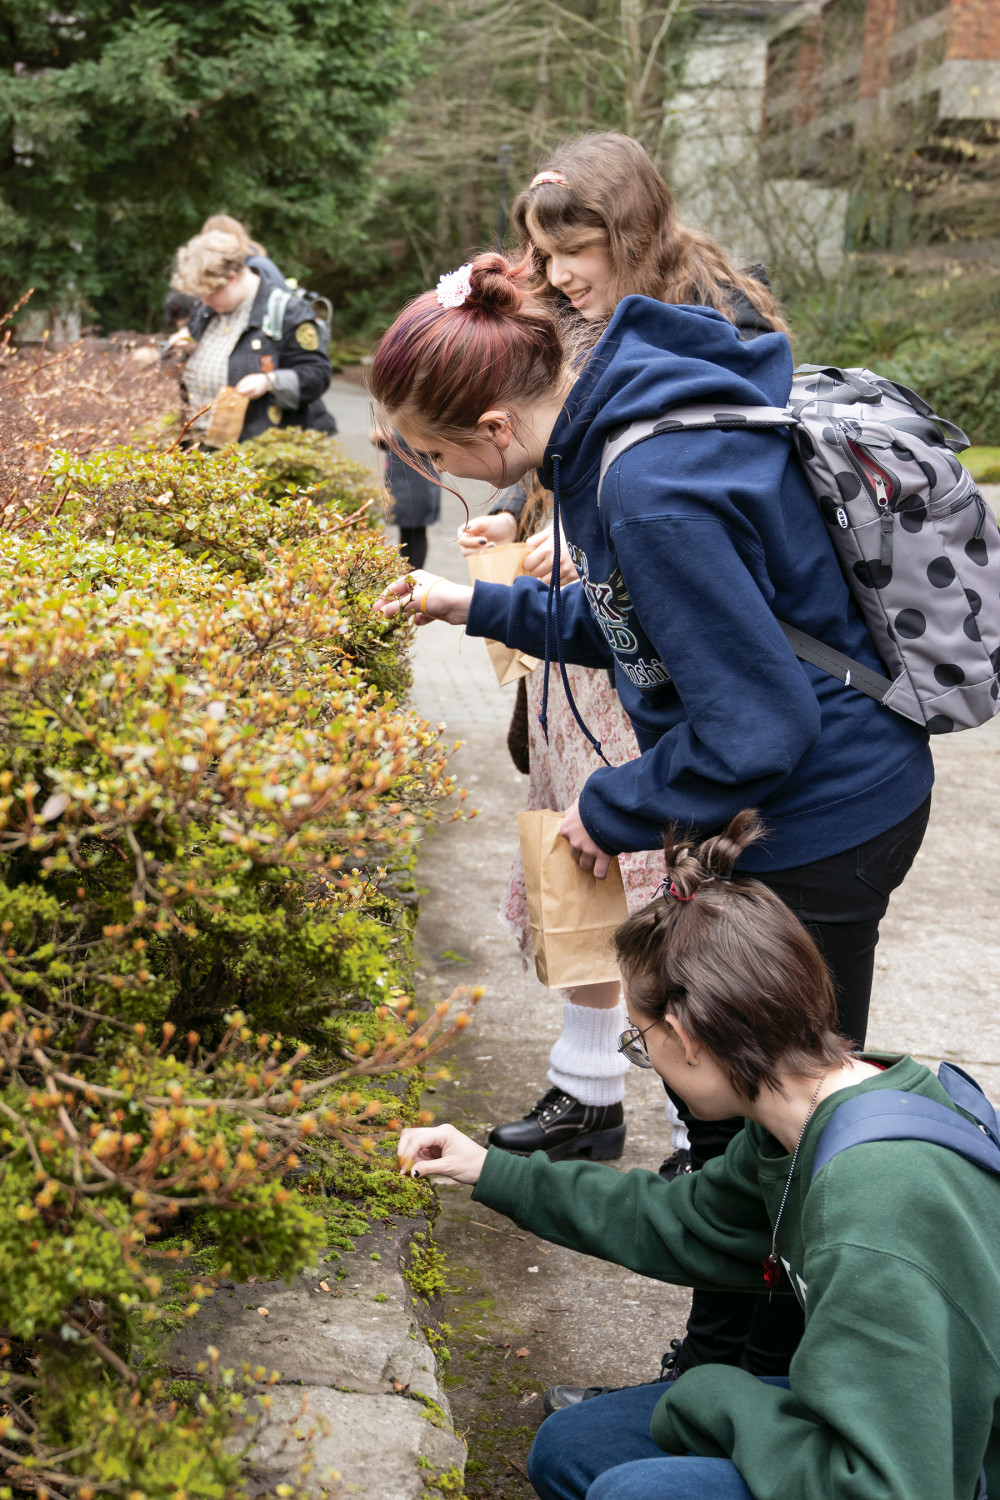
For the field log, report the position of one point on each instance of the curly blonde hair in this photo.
(226, 224)
(205, 263)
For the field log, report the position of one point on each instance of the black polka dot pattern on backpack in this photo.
(911, 624)
(873, 574)
(917, 544)
(940, 572)
(848, 484)
(930, 590)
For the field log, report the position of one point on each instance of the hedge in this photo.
(209, 795)
(959, 375)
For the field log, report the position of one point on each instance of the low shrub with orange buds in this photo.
(202, 791)
(105, 1158)
(210, 793)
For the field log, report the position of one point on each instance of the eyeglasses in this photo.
(632, 1046)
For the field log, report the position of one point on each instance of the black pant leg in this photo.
(775, 1331)
(849, 951)
(413, 544)
(842, 900)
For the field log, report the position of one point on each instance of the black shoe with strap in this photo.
(561, 1126)
(677, 1164)
(672, 1366)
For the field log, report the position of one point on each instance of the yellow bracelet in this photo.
(422, 606)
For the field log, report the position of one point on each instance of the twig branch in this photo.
(108, 1355)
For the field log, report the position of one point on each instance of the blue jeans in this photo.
(602, 1450)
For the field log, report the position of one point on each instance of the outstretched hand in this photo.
(440, 1151)
(443, 600)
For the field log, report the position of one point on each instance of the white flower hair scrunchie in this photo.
(454, 286)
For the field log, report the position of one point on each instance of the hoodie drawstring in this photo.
(554, 599)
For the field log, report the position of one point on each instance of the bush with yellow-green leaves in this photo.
(210, 788)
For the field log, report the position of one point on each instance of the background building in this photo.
(807, 129)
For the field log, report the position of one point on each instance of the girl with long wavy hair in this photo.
(599, 224)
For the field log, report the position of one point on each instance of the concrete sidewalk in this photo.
(936, 992)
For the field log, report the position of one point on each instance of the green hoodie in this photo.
(893, 1251)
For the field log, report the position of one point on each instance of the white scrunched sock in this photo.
(680, 1140)
(585, 1061)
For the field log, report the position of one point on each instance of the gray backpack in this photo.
(917, 543)
(277, 305)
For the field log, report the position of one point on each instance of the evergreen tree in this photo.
(124, 123)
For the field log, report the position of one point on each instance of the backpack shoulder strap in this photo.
(968, 1095)
(699, 415)
(838, 664)
(892, 1115)
(274, 318)
(704, 415)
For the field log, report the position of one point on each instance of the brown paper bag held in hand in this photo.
(503, 565)
(572, 915)
(225, 422)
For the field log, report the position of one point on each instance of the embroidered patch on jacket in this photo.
(306, 336)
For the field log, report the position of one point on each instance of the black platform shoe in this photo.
(561, 1126)
(678, 1164)
(672, 1366)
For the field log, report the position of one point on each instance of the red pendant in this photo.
(771, 1267)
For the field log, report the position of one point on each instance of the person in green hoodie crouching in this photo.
(892, 1249)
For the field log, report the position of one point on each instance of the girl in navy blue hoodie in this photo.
(699, 543)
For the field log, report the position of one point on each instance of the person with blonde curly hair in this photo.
(250, 335)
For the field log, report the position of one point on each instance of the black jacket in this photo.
(301, 365)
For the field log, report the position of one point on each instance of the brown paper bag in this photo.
(503, 565)
(572, 915)
(225, 421)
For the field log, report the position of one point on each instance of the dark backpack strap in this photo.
(850, 672)
(892, 1115)
(968, 1095)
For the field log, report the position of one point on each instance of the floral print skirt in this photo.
(560, 768)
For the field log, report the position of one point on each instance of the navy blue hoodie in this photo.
(701, 543)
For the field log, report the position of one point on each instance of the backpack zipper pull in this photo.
(885, 522)
(981, 527)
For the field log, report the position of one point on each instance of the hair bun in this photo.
(689, 864)
(496, 284)
(684, 872)
(719, 855)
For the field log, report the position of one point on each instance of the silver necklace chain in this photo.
(791, 1171)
